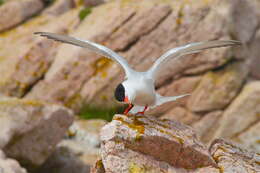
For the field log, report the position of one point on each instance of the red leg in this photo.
(145, 108)
(130, 106)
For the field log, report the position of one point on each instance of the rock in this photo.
(73, 65)
(188, 22)
(239, 14)
(77, 152)
(154, 22)
(205, 128)
(59, 7)
(128, 161)
(217, 89)
(64, 160)
(91, 3)
(232, 159)
(185, 85)
(182, 115)
(144, 144)
(98, 167)
(31, 129)
(242, 112)
(18, 38)
(254, 55)
(166, 143)
(250, 138)
(9, 165)
(17, 11)
(24, 69)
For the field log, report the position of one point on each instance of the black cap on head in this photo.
(120, 93)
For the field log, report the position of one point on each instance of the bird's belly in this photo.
(144, 99)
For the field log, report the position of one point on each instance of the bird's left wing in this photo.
(187, 49)
(99, 49)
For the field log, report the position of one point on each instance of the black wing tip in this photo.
(46, 34)
(236, 42)
(38, 33)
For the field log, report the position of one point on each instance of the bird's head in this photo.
(120, 93)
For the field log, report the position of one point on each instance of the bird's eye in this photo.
(120, 93)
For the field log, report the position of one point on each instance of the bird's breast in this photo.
(141, 91)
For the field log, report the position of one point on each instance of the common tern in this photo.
(138, 89)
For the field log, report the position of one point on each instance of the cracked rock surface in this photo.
(31, 129)
(143, 144)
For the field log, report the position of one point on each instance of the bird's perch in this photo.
(146, 144)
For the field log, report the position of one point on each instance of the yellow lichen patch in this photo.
(25, 27)
(217, 157)
(137, 125)
(221, 169)
(179, 19)
(73, 100)
(71, 133)
(134, 168)
(179, 139)
(104, 98)
(99, 164)
(79, 3)
(12, 102)
(101, 65)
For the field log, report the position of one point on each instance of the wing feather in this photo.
(99, 49)
(178, 52)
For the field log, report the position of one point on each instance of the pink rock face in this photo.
(17, 11)
(59, 7)
(31, 129)
(35, 54)
(217, 89)
(232, 159)
(255, 56)
(250, 138)
(182, 115)
(242, 113)
(166, 141)
(92, 3)
(205, 128)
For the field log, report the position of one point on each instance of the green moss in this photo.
(2, 2)
(48, 2)
(84, 13)
(91, 112)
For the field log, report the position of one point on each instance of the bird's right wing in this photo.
(178, 52)
(162, 99)
(99, 49)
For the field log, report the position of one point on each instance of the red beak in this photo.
(126, 99)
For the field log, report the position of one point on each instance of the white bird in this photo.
(138, 90)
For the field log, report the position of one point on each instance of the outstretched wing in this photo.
(176, 53)
(99, 49)
(162, 99)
